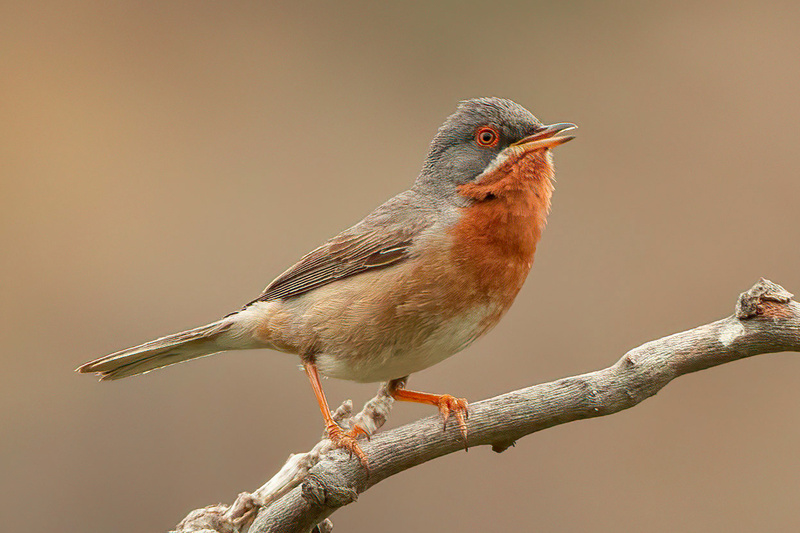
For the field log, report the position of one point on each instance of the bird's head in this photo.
(485, 135)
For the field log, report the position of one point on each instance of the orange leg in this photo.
(336, 434)
(447, 404)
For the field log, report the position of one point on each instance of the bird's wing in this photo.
(383, 238)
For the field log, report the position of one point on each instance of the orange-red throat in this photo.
(496, 237)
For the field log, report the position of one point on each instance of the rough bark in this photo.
(312, 486)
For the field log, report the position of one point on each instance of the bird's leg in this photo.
(336, 434)
(447, 404)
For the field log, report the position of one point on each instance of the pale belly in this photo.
(390, 361)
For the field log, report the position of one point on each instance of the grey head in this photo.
(462, 149)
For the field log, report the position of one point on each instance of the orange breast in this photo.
(495, 240)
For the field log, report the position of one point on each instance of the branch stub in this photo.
(750, 302)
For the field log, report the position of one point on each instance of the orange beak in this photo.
(547, 137)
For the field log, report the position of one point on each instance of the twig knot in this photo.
(751, 303)
(327, 490)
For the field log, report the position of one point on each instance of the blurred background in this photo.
(163, 161)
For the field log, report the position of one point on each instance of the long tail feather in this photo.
(183, 346)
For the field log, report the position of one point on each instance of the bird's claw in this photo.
(348, 440)
(357, 431)
(459, 408)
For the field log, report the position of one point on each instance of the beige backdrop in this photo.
(163, 161)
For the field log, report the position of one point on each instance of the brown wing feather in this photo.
(383, 238)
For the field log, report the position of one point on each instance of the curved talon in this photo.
(357, 431)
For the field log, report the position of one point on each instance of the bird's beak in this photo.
(547, 137)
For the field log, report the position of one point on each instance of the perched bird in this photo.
(416, 281)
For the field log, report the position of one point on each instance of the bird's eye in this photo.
(487, 137)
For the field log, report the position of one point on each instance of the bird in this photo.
(416, 281)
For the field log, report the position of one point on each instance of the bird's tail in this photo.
(191, 344)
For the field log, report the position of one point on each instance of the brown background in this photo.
(162, 161)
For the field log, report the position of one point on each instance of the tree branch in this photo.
(766, 320)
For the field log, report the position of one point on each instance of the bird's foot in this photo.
(447, 404)
(348, 440)
(459, 408)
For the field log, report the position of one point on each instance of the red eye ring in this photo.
(487, 137)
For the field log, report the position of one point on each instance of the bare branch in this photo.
(238, 516)
(766, 320)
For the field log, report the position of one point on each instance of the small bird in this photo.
(416, 281)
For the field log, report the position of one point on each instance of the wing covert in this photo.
(382, 239)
